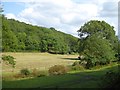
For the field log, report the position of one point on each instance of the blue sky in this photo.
(64, 15)
(13, 7)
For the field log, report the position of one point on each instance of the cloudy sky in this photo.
(64, 15)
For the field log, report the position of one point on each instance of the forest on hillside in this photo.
(21, 37)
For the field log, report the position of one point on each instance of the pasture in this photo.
(40, 61)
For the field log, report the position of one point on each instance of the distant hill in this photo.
(21, 37)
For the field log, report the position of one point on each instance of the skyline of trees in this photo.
(18, 36)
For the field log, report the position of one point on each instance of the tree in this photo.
(97, 46)
(9, 41)
(97, 51)
(21, 37)
(102, 28)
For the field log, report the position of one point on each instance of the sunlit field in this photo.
(40, 61)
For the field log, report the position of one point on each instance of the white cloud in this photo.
(11, 16)
(67, 15)
(109, 9)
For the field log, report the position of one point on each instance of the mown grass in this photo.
(82, 79)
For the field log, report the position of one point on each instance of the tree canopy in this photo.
(19, 36)
(102, 29)
(97, 42)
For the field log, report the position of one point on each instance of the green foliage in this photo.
(97, 51)
(76, 63)
(9, 59)
(18, 36)
(111, 80)
(84, 79)
(25, 72)
(99, 45)
(102, 29)
(57, 70)
(77, 66)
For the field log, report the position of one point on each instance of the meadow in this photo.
(84, 79)
(42, 61)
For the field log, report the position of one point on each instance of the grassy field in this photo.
(40, 61)
(83, 79)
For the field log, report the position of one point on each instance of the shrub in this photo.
(57, 70)
(77, 66)
(25, 72)
(76, 63)
(37, 73)
(89, 64)
(9, 59)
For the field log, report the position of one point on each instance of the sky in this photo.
(64, 15)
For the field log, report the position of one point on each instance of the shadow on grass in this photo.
(70, 58)
(83, 79)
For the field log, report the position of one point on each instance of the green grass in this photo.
(83, 79)
(42, 61)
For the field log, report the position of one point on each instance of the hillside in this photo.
(21, 37)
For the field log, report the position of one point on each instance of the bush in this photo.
(9, 59)
(37, 73)
(89, 64)
(76, 63)
(77, 66)
(5, 57)
(25, 72)
(57, 70)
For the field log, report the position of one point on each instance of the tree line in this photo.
(21, 37)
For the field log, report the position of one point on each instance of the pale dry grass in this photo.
(41, 61)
